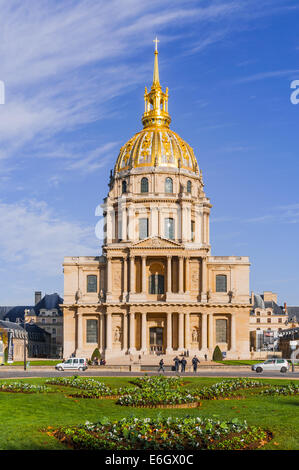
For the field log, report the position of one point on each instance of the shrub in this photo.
(95, 355)
(217, 354)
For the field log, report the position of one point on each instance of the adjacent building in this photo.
(47, 317)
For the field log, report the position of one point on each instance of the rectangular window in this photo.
(169, 228)
(221, 283)
(92, 282)
(143, 228)
(91, 331)
(221, 331)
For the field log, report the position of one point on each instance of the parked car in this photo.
(78, 363)
(271, 364)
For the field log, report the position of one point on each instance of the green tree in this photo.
(96, 354)
(217, 354)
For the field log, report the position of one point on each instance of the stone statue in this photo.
(117, 335)
(78, 295)
(194, 335)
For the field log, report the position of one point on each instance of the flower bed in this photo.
(89, 388)
(156, 391)
(225, 388)
(289, 389)
(186, 433)
(22, 387)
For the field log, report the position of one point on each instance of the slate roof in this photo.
(16, 327)
(49, 302)
(260, 303)
(293, 311)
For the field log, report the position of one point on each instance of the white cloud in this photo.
(33, 238)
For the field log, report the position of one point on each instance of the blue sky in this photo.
(74, 74)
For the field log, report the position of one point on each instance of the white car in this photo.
(281, 365)
(77, 363)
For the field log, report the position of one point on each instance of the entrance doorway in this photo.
(156, 340)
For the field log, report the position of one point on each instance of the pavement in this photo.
(233, 371)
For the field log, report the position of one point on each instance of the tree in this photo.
(217, 354)
(96, 354)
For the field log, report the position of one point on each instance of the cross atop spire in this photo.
(156, 44)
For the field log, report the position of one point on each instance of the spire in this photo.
(156, 101)
(156, 81)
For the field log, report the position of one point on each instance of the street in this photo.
(50, 372)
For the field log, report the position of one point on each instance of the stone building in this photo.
(267, 318)
(45, 314)
(156, 289)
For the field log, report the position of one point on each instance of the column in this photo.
(169, 334)
(143, 274)
(125, 274)
(132, 274)
(181, 331)
(204, 331)
(211, 332)
(124, 223)
(79, 331)
(187, 289)
(109, 275)
(184, 227)
(187, 330)
(169, 274)
(131, 224)
(132, 347)
(204, 280)
(103, 332)
(108, 332)
(233, 331)
(181, 275)
(143, 333)
(125, 333)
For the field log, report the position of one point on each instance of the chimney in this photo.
(38, 297)
(285, 307)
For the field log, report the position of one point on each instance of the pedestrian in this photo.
(183, 364)
(161, 366)
(176, 363)
(206, 357)
(195, 362)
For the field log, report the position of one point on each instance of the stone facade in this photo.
(156, 289)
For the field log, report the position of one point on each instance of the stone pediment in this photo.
(156, 242)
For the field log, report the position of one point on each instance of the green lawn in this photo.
(23, 416)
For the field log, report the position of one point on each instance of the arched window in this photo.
(221, 283)
(169, 228)
(92, 282)
(124, 187)
(156, 284)
(189, 186)
(144, 185)
(168, 185)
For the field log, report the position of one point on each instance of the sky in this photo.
(74, 75)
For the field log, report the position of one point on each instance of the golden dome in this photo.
(159, 147)
(156, 145)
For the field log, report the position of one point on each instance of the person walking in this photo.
(176, 363)
(206, 357)
(183, 364)
(195, 362)
(161, 366)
